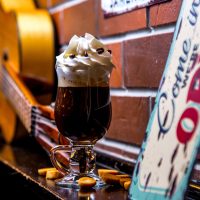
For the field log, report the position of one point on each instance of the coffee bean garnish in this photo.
(109, 51)
(72, 56)
(86, 55)
(100, 50)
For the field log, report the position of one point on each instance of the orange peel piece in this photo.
(53, 174)
(101, 172)
(123, 180)
(86, 182)
(111, 179)
(127, 185)
(43, 171)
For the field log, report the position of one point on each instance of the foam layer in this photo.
(85, 62)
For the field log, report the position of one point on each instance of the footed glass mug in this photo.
(83, 115)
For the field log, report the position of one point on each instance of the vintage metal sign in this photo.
(115, 7)
(173, 134)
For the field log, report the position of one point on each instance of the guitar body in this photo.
(27, 41)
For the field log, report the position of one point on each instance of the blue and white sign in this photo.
(169, 151)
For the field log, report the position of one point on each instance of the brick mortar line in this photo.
(148, 17)
(133, 92)
(64, 5)
(131, 148)
(150, 106)
(115, 155)
(139, 34)
(122, 57)
(96, 8)
(197, 166)
(133, 35)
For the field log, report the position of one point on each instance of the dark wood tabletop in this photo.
(18, 175)
(19, 163)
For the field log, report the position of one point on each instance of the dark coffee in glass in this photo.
(83, 114)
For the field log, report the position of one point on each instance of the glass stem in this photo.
(82, 159)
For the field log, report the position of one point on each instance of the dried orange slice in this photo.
(86, 182)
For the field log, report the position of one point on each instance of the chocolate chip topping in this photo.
(100, 50)
(72, 56)
(86, 55)
(109, 51)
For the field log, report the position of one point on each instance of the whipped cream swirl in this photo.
(85, 62)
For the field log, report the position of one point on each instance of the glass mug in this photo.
(83, 114)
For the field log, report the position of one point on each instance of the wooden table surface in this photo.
(23, 160)
(19, 178)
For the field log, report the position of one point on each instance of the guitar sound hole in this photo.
(5, 56)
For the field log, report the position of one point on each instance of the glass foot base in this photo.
(71, 181)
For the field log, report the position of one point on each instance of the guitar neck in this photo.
(37, 119)
(17, 94)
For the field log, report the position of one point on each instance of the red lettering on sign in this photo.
(194, 90)
(184, 135)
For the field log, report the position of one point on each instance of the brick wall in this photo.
(140, 42)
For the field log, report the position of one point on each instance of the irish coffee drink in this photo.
(83, 107)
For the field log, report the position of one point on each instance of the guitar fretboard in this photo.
(37, 119)
(17, 99)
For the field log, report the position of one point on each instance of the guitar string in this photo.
(23, 113)
(24, 109)
(17, 99)
(36, 114)
(45, 124)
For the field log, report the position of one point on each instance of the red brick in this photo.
(116, 77)
(78, 20)
(145, 60)
(165, 13)
(129, 120)
(133, 20)
(48, 3)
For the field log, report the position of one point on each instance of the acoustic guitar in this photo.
(27, 41)
(37, 119)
